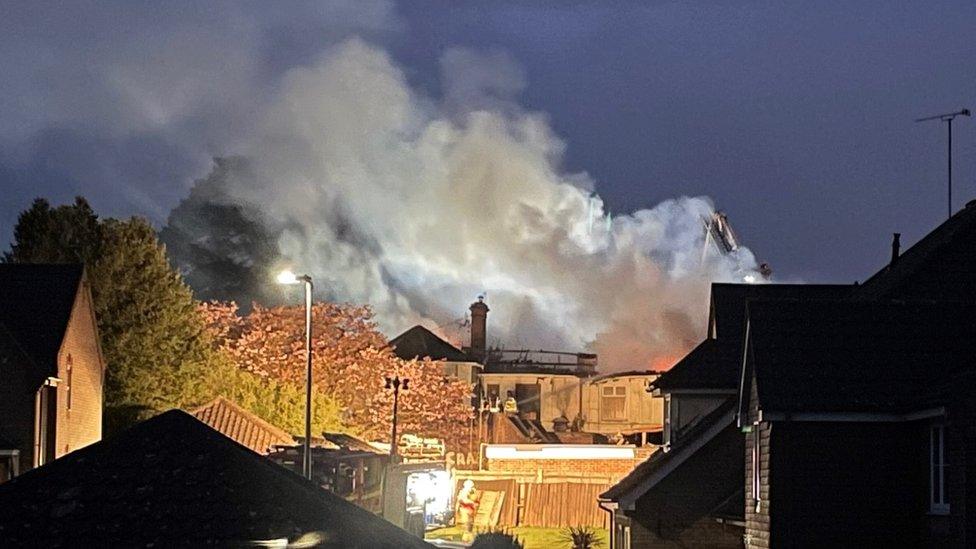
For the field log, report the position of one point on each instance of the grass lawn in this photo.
(532, 538)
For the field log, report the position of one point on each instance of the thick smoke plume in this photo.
(416, 205)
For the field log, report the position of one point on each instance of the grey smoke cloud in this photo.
(416, 205)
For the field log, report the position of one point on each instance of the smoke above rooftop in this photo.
(417, 204)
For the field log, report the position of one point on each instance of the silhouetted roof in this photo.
(716, 363)
(173, 481)
(856, 357)
(728, 301)
(713, 365)
(349, 442)
(242, 426)
(942, 265)
(661, 464)
(419, 342)
(35, 306)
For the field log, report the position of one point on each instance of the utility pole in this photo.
(947, 118)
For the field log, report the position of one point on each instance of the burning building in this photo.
(550, 396)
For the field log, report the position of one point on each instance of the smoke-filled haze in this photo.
(417, 205)
(414, 155)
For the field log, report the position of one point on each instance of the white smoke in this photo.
(416, 205)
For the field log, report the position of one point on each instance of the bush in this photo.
(581, 537)
(496, 539)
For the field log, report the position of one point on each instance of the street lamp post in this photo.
(395, 383)
(288, 277)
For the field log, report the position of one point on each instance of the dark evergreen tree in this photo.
(153, 338)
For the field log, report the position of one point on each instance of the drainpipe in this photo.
(613, 525)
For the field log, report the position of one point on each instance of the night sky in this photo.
(795, 118)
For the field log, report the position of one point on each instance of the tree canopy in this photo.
(164, 349)
(153, 339)
(351, 359)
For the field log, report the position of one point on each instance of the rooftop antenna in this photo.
(947, 118)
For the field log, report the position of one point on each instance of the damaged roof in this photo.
(173, 481)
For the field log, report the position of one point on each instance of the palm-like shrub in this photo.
(581, 537)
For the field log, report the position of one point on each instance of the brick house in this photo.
(51, 365)
(858, 417)
(689, 493)
(554, 389)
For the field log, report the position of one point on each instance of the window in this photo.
(622, 540)
(756, 465)
(614, 403)
(70, 368)
(938, 469)
(666, 435)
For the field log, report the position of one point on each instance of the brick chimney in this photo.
(895, 248)
(479, 335)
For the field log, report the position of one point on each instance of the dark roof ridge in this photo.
(724, 412)
(916, 256)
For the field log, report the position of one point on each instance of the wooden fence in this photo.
(563, 504)
(546, 504)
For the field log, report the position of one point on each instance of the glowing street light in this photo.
(288, 277)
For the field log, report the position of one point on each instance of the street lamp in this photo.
(395, 383)
(288, 277)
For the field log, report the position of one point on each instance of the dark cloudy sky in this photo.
(795, 117)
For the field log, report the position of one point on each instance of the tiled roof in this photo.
(856, 357)
(172, 481)
(242, 426)
(419, 342)
(942, 265)
(35, 306)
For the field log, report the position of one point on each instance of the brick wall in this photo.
(81, 370)
(612, 469)
(757, 531)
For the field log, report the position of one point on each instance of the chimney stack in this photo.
(479, 335)
(895, 248)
